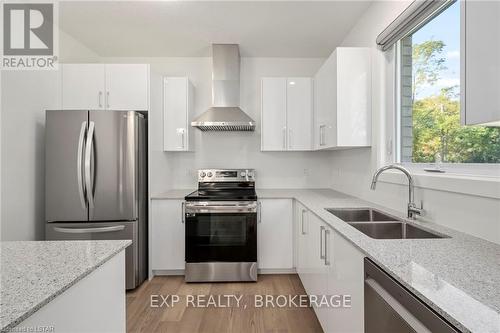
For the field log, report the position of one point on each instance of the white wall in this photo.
(73, 51)
(231, 149)
(25, 95)
(352, 169)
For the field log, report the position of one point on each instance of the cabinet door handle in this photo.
(284, 138)
(100, 99)
(322, 135)
(321, 255)
(107, 99)
(327, 237)
(183, 210)
(259, 212)
(181, 132)
(302, 220)
(289, 138)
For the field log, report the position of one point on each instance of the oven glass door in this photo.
(221, 237)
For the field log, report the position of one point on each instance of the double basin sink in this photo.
(379, 225)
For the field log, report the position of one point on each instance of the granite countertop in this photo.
(34, 273)
(458, 277)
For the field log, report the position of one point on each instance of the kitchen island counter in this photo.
(33, 273)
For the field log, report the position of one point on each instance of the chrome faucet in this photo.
(413, 210)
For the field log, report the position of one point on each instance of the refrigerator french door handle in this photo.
(89, 230)
(79, 164)
(88, 168)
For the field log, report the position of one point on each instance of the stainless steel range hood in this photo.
(225, 114)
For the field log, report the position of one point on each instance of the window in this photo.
(429, 126)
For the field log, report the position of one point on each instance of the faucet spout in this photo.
(412, 207)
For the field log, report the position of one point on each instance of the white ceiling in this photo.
(186, 28)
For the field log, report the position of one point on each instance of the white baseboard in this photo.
(177, 272)
(277, 271)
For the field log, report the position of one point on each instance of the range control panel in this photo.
(226, 175)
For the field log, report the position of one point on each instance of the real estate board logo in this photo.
(29, 35)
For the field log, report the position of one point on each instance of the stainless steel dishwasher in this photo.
(390, 307)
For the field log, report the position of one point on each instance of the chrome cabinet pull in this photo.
(289, 138)
(321, 255)
(302, 220)
(284, 138)
(100, 99)
(183, 205)
(180, 132)
(79, 165)
(322, 140)
(327, 237)
(107, 99)
(89, 230)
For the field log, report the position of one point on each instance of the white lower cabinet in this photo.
(329, 265)
(345, 277)
(301, 231)
(275, 234)
(167, 235)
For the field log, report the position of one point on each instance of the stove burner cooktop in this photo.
(224, 185)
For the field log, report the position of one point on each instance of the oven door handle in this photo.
(221, 208)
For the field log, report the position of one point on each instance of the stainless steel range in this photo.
(221, 220)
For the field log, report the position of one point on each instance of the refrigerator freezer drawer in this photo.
(105, 231)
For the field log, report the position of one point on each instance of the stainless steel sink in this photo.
(393, 230)
(379, 225)
(361, 215)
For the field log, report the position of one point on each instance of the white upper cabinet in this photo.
(480, 59)
(299, 113)
(177, 109)
(105, 86)
(342, 100)
(83, 86)
(273, 119)
(286, 114)
(127, 87)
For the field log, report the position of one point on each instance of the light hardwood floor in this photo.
(141, 317)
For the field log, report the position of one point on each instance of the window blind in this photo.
(417, 13)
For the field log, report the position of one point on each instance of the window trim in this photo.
(478, 186)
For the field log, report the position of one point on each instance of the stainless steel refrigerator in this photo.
(96, 181)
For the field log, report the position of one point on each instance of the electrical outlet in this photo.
(306, 172)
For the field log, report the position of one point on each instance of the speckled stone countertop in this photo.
(459, 277)
(34, 273)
